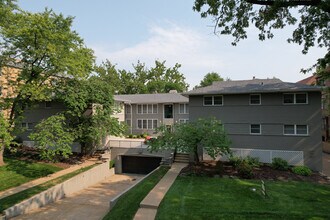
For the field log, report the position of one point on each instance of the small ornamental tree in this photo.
(188, 137)
(53, 138)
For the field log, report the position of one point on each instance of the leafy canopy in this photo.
(158, 79)
(234, 17)
(208, 79)
(53, 137)
(188, 137)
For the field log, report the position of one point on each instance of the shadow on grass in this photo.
(29, 169)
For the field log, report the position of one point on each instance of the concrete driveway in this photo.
(91, 203)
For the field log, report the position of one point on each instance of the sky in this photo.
(125, 32)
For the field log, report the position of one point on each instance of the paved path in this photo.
(149, 205)
(91, 203)
(44, 179)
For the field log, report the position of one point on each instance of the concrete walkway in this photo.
(39, 181)
(326, 164)
(91, 203)
(149, 205)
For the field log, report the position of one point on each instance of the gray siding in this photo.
(134, 116)
(38, 112)
(237, 114)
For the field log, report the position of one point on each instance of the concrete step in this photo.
(181, 161)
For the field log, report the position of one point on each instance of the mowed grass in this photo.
(18, 197)
(17, 172)
(129, 203)
(224, 198)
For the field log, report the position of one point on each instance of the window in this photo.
(147, 124)
(48, 104)
(295, 98)
(154, 108)
(27, 126)
(183, 120)
(213, 100)
(183, 108)
(255, 129)
(168, 111)
(128, 122)
(128, 109)
(255, 99)
(295, 130)
(139, 109)
(147, 109)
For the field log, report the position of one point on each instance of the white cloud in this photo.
(200, 53)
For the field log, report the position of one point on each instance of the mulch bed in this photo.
(264, 172)
(33, 155)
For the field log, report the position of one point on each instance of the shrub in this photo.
(134, 136)
(235, 161)
(111, 163)
(130, 136)
(144, 135)
(253, 161)
(302, 170)
(280, 164)
(244, 170)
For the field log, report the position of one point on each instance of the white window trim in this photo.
(259, 99)
(294, 98)
(184, 109)
(147, 119)
(213, 100)
(255, 133)
(295, 130)
(27, 126)
(148, 105)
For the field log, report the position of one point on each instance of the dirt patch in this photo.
(264, 172)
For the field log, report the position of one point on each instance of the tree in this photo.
(47, 51)
(158, 79)
(188, 137)
(53, 137)
(5, 137)
(89, 109)
(208, 79)
(234, 18)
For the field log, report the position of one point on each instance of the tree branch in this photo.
(285, 3)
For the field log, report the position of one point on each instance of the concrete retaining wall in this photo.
(75, 184)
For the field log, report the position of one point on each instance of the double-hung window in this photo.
(183, 108)
(295, 130)
(255, 99)
(149, 124)
(255, 129)
(213, 100)
(295, 98)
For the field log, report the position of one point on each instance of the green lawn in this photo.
(128, 204)
(18, 197)
(17, 172)
(224, 198)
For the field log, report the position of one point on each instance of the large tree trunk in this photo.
(2, 163)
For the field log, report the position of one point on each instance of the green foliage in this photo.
(252, 161)
(234, 18)
(209, 79)
(280, 164)
(17, 172)
(188, 137)
(158, 79)
(226, 198)
(5, 137)
(302, 170)
(53, 138)
(244, 169)
(111, 164)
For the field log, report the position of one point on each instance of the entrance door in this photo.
(168, 111)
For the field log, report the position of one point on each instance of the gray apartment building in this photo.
(145, 112)
(265, 118)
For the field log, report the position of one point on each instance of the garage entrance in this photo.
(139, 164)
